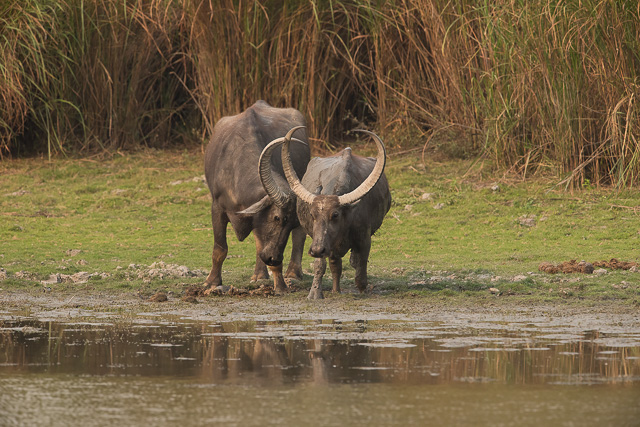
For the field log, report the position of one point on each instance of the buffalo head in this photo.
(274, 216)
(331, 214)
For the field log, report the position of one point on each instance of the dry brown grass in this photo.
(531, 86)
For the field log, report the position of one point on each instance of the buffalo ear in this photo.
(261, 204)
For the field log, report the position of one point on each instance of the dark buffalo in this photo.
(349, 201)
(249, 190)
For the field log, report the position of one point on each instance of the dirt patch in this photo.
(614, 264)
(161, 270)
(264, 290)
(157, 270)
(567, 267)
(574, 266)
(159, 297)
(194, 291)
(77, 278)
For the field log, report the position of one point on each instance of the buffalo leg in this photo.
(335, 264)
(294, 271)
(260, 272)
(319, 267)
(278, 281)
(219, 222)
(359, 259)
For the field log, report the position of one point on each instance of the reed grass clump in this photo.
(91, 74)
(532, 86)
(556, 83)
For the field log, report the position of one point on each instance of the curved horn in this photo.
(294, 182)
(373, 177)
(277, 194)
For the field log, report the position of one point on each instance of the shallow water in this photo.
(332, 372)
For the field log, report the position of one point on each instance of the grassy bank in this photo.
(534, 86)
(450, 233)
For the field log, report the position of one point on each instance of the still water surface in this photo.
(161, 371)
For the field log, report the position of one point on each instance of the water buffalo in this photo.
(249, 190)
(349, 201)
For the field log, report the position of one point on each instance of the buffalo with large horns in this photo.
(342, 201)
(248, 189)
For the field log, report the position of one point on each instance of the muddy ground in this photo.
(127, 306)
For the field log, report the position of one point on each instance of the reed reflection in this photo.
(272, 354)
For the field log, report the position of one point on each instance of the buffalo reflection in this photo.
(283, 354)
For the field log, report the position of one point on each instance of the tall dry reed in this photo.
(86, 74)
(533, 86)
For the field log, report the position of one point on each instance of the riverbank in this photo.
(123, 307)
(139, 224)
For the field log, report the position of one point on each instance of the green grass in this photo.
(147, 207)
(480, 228)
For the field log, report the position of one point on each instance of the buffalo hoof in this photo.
(212, 280)
(363, 287)
(294, 272)
(259, 276)
(280, 288)
(315, 293)
(211, 284)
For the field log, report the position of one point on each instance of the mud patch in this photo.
(191, 292)
(262, 291)
(161, 270)
(586, 267)
(159, 297)
(157, 270)
(77, 278)
(194, 291)
(614, 264)
(567, 267)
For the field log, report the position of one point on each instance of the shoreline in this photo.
(126, 306)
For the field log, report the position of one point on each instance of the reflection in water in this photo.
(286, 353)
(330, 373)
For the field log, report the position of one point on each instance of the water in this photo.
(165, 371)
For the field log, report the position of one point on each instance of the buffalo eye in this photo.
(285, 219)
(276, 218)
(334, 215)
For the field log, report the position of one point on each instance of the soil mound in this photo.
(614, 264)
(586, 267)
(159, 297)
(567, 267)
(202, 291)
(194, 291)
